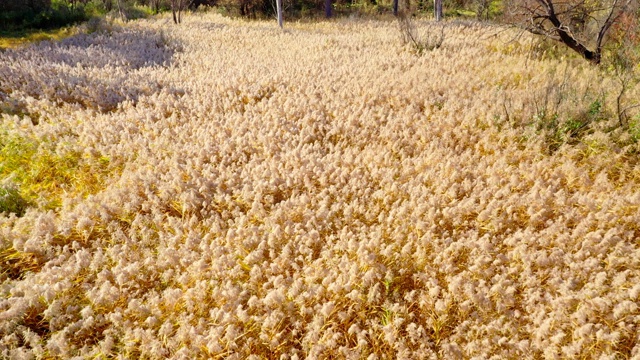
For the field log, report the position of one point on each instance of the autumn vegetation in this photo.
(353, 188)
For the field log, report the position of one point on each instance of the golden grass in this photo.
(319, 192)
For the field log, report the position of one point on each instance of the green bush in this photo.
(42, 15)
(22, 6)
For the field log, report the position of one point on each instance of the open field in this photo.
(223, 189)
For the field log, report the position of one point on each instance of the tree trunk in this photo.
(121, 11)
(173, 11)
(592, 56)
(279, 10)
(327, 8)
(565, 37)
(437, 8)
(395, 7)
(541, 18)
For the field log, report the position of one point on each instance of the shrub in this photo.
(427, 38)
(41, 15)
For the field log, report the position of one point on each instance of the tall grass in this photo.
(320, 192)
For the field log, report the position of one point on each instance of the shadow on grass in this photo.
(11, 201)
(97, 70)
(104, 44)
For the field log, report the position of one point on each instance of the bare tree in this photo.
(155, 6)
(177, 7)
(582, 25)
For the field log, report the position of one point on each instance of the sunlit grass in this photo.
(477, 201)
(44, 173)
(13, 39)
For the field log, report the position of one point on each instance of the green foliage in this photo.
(139, 12)
(569, 128)
(22, 6)
(363, 8)
(595, 108)
(480, 9)
(634, 129)
(52, 22)
(11, 201)
(43, 172)
(9, 39)
(56, 14)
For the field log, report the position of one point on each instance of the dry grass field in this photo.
(224, 189)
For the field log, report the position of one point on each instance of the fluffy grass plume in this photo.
(224, 189)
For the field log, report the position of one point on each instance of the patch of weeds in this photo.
(593, 147)
(595, 108)
(634, 129)
(16, 38)
(95, 24)
(386, 316)
(43, 174)
(579, 125)
(11, 202)
(572, 129)
(549, 126)
(420, 43)
(139, 12)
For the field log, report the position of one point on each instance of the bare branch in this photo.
(570, 22)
